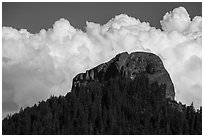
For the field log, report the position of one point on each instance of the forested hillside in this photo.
(118, 105)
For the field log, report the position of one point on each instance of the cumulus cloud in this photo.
(36, 66)
(177, 20)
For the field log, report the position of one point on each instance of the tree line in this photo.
(118, 105)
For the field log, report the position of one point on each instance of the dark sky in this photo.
(37, 16)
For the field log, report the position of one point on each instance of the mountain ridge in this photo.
(130, 94)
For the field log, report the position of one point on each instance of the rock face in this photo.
(130, 65)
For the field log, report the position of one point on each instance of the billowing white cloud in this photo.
(36, 66)
(177, 20)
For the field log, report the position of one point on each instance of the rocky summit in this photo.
(130, 65)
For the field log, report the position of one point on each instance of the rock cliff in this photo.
(130, 65)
